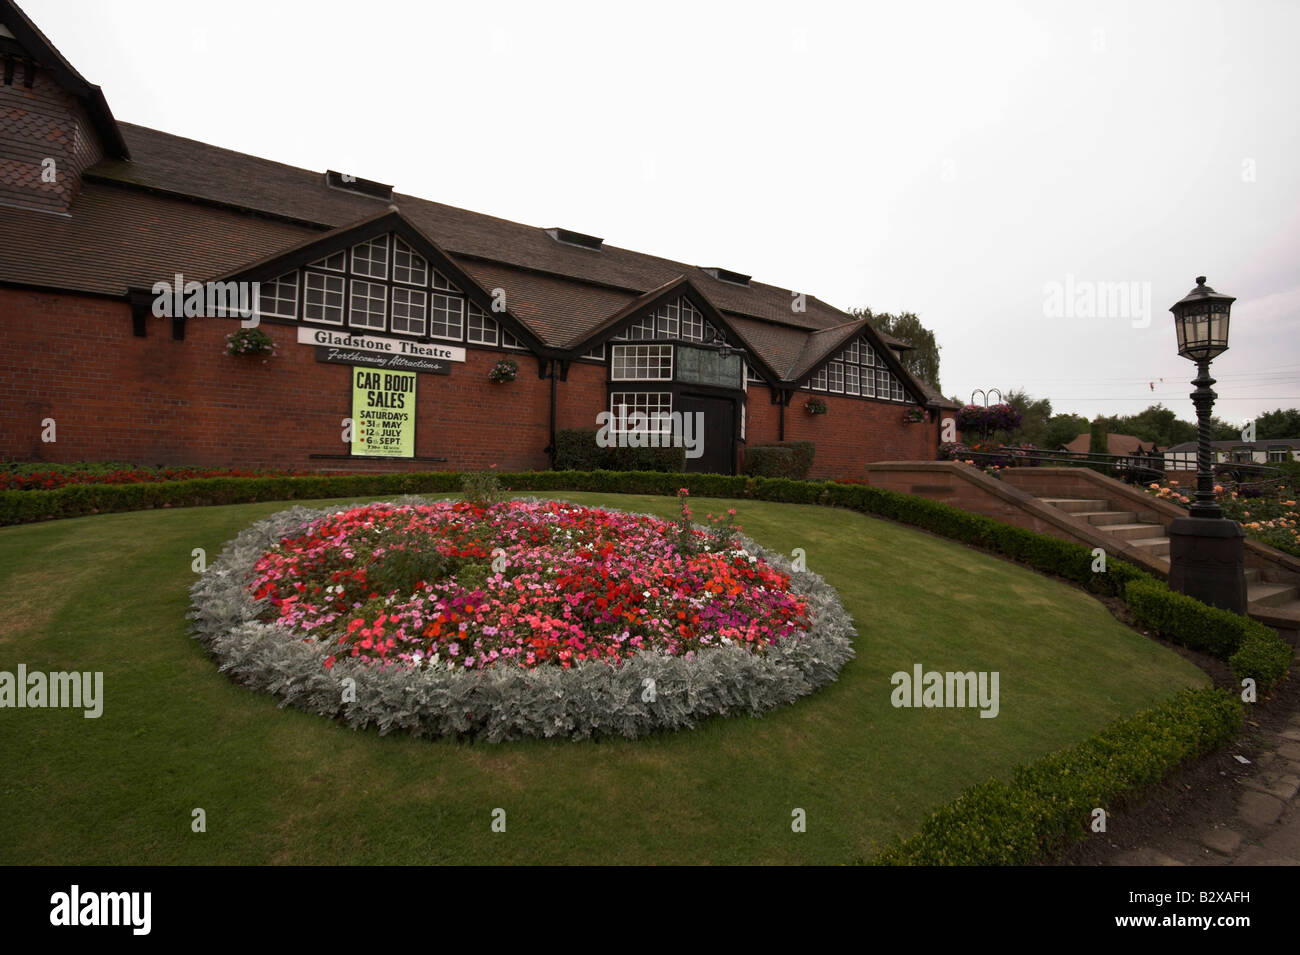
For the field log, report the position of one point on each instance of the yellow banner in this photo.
(383, 412)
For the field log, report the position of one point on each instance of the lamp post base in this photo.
(1207, 560)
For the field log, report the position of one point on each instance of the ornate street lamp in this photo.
(1206, 554)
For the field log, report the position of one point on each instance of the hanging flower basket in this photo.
(507, 369)
(985, 420)
(815, 406)
(249, 342)
(915, 415)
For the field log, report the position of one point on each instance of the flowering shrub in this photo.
(915, 415)
(1272, 519)
(418, 586)
(527, 618)
(815, 406)
(507, 369)
(249, 341)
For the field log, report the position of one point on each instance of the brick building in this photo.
(100, 218)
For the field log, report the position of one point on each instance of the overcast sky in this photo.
(965, 161)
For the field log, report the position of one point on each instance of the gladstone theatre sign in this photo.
(372, 351)
(383, 378)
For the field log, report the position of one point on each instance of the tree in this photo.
(1062, 429)
(1278, 424)
(923, 359)
(1035, 415)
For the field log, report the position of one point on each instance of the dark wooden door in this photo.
(718, 436)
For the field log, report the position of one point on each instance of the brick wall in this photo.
(853, 433)
(44, 122)
(154, 400)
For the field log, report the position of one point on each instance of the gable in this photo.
(383, 276)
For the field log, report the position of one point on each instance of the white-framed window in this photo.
(668, 320)
(852, 380)
(640, 330)
(868, 382)
(896, 388)
(410, 310)
(868, 354)
(597, 353)
(279, 297)
(441, 281)
(509, 341)
(1277, 454)
(409, 266)
(371, 258)
(322, 298)
(851, 353)
(882, 383)
(480, 328)
(642, 363)
(652, 404)
(338, 262)
(819, 381)
(367, 305)
(447, 317)
(752, 377)
(693, 324)
(835, 377)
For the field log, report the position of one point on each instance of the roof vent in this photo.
(366, 187)
(569, 237)
(726, 275)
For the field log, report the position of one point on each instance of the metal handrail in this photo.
(1143, 467)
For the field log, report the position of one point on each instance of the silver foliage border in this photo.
(592, 699)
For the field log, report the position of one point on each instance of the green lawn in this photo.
(278, 786)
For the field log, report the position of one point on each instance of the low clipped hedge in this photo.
(786, 459)
(1049, 802)
(576, 450)
(1251, 649)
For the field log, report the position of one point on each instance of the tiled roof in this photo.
(183, 206)
(1115, 444)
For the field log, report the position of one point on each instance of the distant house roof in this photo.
(1115, 444)
(1265, 445)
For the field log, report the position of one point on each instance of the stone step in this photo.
(1133, 531)
(1072, 505)
(1157, 546)
(1285, 617)
(1271, 595)
(1106, 517)
(1252, 575)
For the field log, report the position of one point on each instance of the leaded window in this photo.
(410, 310)
(323, 298)
(367, 306)
(371, 258)
(481, 328)
(279, 297)
(642, 363)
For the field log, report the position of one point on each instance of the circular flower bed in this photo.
(522, 618)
